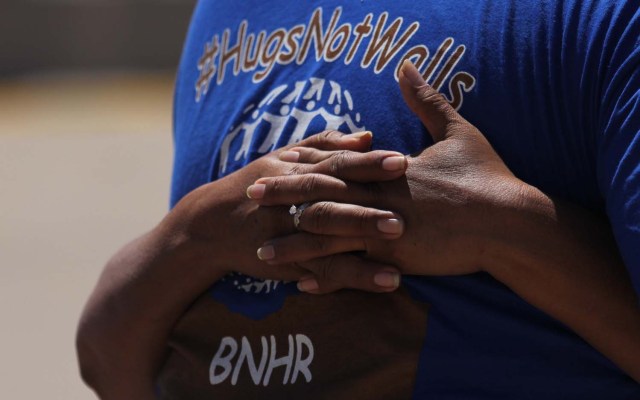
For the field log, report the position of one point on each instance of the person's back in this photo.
(548, 83)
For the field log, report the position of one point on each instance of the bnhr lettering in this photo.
(235, 357)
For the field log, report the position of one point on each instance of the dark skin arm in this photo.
(466, 212)
(148, 284)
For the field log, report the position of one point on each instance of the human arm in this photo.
(466, 212)
(215, 229)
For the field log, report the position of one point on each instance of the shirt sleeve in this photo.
(618, 159)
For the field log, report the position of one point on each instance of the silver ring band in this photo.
(297, 211)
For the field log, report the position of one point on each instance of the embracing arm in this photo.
(143, 290)
(564, 260)
(558, 257)
(147, 286)
(555, 255)
(466, 212)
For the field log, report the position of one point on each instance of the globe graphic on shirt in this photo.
(286, 115)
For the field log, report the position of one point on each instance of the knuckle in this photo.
(327, 287)
(326, 137)
(429, 95)
(366, 247)
(331, 134)
(375, 192)
(360, 278)
(319, 244)
(321, 215)
(299, 267)
(363, 216)
(436, 100)
(298, 169)
(326, 269)
(309, 183)
(276, 185)
(338, 161)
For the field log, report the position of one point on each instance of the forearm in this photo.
(141, 293)
(564, 260)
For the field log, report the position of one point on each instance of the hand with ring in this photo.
(214, 230)
(329, 234)
(453, 194)
(223, 218)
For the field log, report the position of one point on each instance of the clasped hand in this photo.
(227, 226)
(451, 199)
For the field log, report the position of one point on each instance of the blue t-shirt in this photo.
(554, 86)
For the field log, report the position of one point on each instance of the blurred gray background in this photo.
(85, 159)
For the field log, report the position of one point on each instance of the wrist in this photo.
(186, 264)
(188, 235)
(518, 218)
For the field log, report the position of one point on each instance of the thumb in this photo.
(431, 107)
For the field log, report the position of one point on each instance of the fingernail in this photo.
(256, 191)
(411, 72)
(390, 280)
(289, 156)
(308, 285)
(390, 225)
(266, 253)
(394, 163)
(358, 135)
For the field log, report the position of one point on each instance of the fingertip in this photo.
(361, 140)
(388, 280)
(266, 253)
(362, 135)
(308, 285)
(395, 163)
(366, 135)
(256, 191)
(289, 156)
(411, 74)
(391, 226)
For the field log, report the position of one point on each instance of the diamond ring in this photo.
(297, 211)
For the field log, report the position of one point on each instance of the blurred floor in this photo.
(84, 167)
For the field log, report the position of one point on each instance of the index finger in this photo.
(371, 166)
(334, 140)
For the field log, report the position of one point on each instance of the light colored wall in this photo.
(84, 167)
